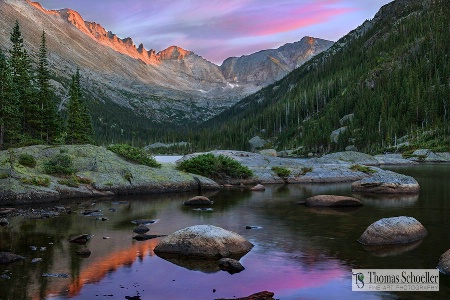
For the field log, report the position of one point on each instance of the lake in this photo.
(299, 253)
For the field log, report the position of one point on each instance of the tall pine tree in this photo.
(79, 124)
(50, 121)
(9, 114)
(22, 87)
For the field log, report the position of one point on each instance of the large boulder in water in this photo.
(396, 230)
(386, 182)
(205, 241)
(332, 201)
(444, 263)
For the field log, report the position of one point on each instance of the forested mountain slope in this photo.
(386, 82)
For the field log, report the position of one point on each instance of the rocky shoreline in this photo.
(101, 172)
(106, 174)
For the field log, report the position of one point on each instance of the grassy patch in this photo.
(60, 164)
(74, 181)
(37, 181)
(69, 182)
(134, 154)
(212, 166)
(27, 160)
(281, 172)
(127, 175)
(306, 170)
(361, 168)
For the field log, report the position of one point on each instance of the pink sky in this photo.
(217, 29)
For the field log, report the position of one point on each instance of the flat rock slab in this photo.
(390, 231)
(387, 182)
(197, 201)
(332, 201)
(444, 263)
(8, 257)
(204, 241)
(349, 157)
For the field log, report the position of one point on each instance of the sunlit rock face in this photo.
(173, 85)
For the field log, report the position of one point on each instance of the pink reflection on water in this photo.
(155, 278)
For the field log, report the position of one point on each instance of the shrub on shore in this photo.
(134, 154)
(219, 167)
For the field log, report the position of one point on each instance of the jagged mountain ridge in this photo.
(173, 85)
(264, 66)
(125, 46)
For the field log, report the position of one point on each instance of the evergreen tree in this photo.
(22, 86)
(79, 125)
(50, 121)
(9, 114)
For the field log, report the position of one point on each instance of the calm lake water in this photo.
(299, 253)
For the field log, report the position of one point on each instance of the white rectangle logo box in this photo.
(386, 280)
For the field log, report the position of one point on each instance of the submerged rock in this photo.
(396, 230)
(62, 275)
(141, 229)
(85, 252)
(265, 295)
(444, 263)
(80, 239)
(391, 250)
(144, 237)
(8, 257)
(387, 182)
(198, 200)
(144, 221)
(230, 265)
(253, 227)
(258, 187)
(6, 211)
(204, 240)
(332, 201)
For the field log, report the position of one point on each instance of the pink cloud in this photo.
(257, 21)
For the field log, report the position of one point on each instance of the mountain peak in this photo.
(173, 53)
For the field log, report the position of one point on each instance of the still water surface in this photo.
(299, 253)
